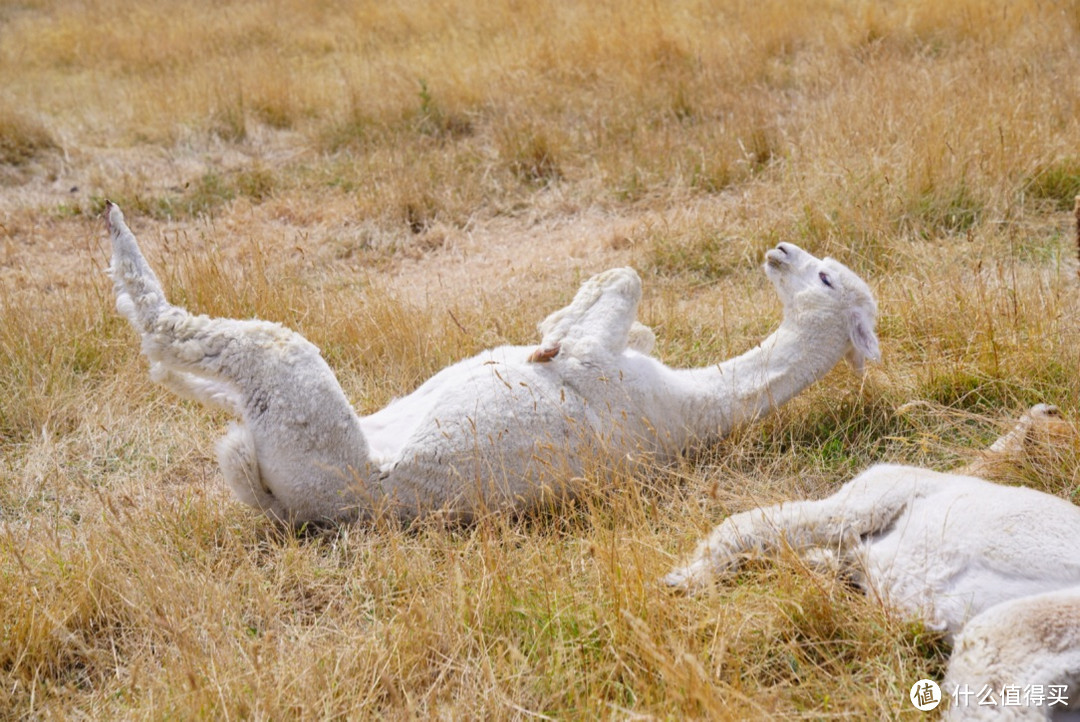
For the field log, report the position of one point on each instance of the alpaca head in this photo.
(1037, 437)
(822, 295)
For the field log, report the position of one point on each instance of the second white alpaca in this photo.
(995, 567)
(503, 430)
(1020, 658)
(941, 546)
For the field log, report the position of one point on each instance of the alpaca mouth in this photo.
(776, 258)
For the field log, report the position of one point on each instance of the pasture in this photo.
(407, 183)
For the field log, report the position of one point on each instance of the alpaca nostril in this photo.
(782, 248)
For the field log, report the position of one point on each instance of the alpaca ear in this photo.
(864, 342)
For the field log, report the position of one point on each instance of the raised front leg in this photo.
(299, 454)
(598, 321)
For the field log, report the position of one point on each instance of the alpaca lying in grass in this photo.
(948, 548)
(1031, 644)
(503, 430)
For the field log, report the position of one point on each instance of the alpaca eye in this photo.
(825, 279)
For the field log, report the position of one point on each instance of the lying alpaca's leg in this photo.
(1042, 424)
(300, 454)
(597, 321)
(759, 532)
(835, 523)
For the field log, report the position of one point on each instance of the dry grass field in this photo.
(407, 183)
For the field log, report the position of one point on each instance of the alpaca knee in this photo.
(240, 466)
(213, 393)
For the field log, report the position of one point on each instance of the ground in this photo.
(407, 185)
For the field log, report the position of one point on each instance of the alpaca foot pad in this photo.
(543, 355)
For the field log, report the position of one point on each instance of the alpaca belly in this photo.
(504, 438)
(953, 556)
(389, 430)
(634, 406)
(910, 585)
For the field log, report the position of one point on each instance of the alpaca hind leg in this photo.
(209, 392)
(598, 321)
(304, 437)
(141, 299)
(310, 450)
(139, 295)
(240, 466)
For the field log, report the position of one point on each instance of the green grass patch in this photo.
(1057, 182)
(946, 212)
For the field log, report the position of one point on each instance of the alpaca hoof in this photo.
(624, 281)
(641, 339)
(676, 579)
(543, 355)
(685, 579)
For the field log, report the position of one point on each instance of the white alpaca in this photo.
(1031, 644)
(945, 547)
(503, 430)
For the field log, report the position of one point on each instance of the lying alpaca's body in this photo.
(997, 567)
(1031, 644)
(501, 430)
(941, 546)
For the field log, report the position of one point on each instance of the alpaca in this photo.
(946, 547)
(1023, 655)
(505, 430)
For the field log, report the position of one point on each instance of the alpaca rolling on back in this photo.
(504, 430)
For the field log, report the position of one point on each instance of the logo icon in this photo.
(925, 695)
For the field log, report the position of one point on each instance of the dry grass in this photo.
(406, 184)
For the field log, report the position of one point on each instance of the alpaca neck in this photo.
(752, 385)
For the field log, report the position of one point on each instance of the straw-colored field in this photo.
(407, 183)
